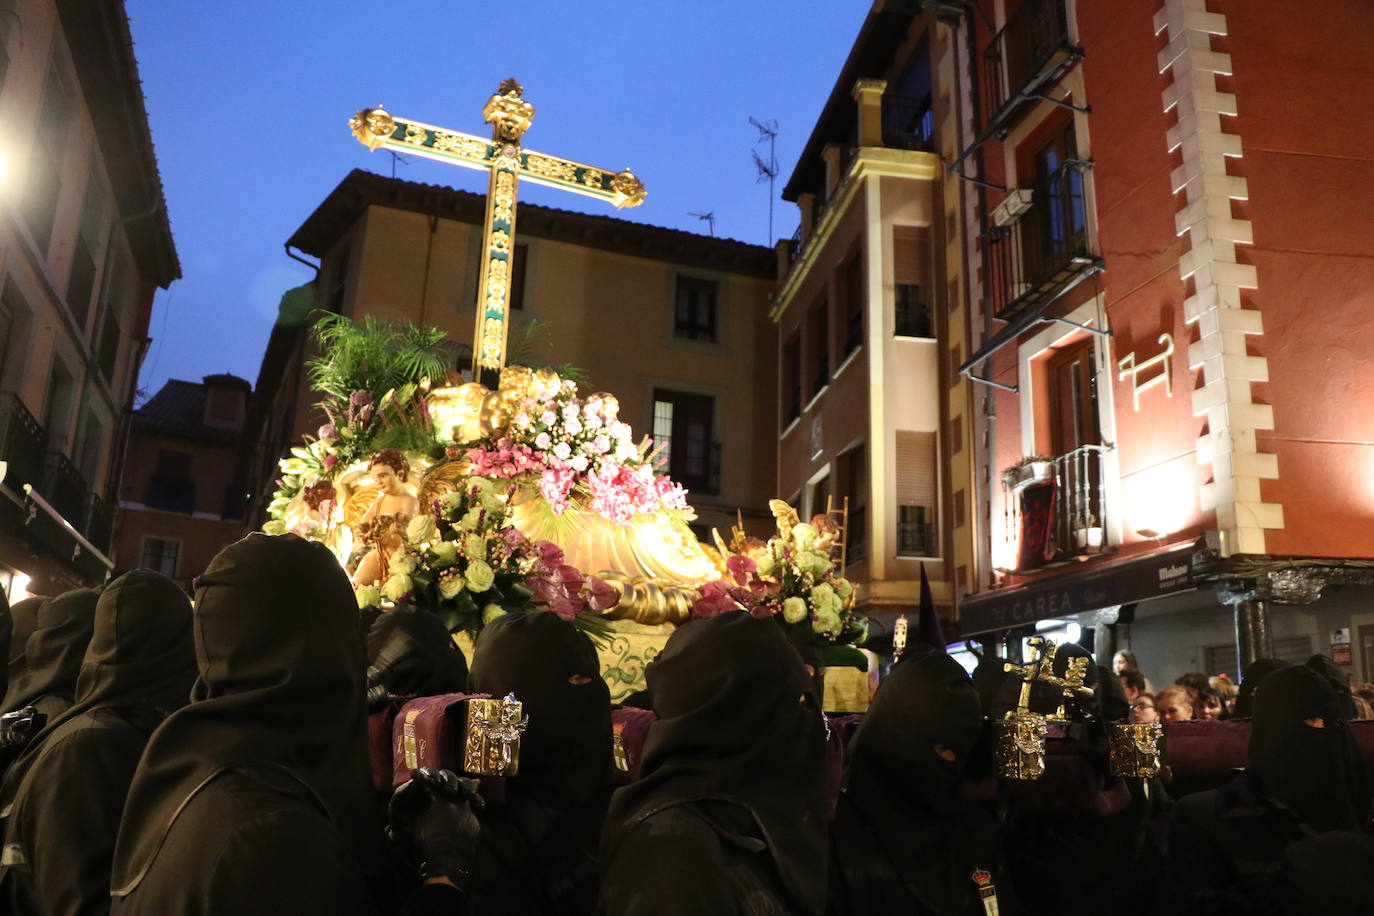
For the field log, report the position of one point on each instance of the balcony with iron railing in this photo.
(99, 522)
(1054, 510)
(908, 123)
(1024, 59)
(1044, 252)
(22, 443)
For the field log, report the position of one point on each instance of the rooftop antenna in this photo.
(710, 220)
(395, 158)
(768, 168)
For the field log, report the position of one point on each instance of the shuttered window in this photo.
(917, 532)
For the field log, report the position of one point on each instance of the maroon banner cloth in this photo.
(1037, 525)
(438, 724)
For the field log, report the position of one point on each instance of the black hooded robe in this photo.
(729, 813)
(410, 653)
(904, 840)
(256, 798)
(537, 853)
(46, 677)
(23, 618)
(1227, 846)
(72, 779)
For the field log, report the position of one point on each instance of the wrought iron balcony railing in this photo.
(1070, 521)
(1025, 58)
(22, 443)
(99, 527)
(1044, 253)
(908, 123)
(65, 489)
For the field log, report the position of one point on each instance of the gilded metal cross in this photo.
(507, 163)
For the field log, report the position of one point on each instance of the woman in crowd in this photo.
(729, 814)
(1209, 707)
(538, 851)
(72, 780)
(1228, 691)
(1176, 703)
(904, 840)
(1230, 848)
(255, 798)
(1143, 711)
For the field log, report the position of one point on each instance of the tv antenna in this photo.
(395, 158)
(710, 219)
(768, 168)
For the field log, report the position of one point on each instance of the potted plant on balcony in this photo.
(1087, 533)
(1037, 467)
(1011, 476)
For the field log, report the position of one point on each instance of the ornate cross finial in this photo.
(508, 113)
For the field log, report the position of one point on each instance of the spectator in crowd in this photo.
(1209, 707)
(1143, 710)
(1194, 679)
(1228, 691)
(1133, 683)
(1126, 661)
(1176, 703)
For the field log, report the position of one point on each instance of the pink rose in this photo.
(562, 450)
(543, 441)
(548, 418)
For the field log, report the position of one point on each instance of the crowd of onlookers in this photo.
(1196, 696)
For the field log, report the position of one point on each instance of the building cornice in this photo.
(359, 190)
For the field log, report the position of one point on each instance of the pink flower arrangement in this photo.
(579, 448)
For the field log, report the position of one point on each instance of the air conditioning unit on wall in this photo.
(1016, 204)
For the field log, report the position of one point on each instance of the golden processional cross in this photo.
(507, 163)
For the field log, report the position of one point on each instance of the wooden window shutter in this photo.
(911, 255)
(915, 469)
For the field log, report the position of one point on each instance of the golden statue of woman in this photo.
(383, 526)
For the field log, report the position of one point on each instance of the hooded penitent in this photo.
(538, 851)
(1327, 668)
(279, 700)
(23, 618)
(1315, 772)
(53, 654)
(410, 653)
(903, 839)
(6, 629)
(72, 779)
(738, 728)
(1259, 669)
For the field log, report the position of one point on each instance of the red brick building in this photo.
(1173, 308)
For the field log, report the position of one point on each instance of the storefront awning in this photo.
(1095, 587)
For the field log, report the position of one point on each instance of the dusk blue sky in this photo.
(249, 102)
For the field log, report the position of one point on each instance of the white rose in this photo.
(368, 596)
(276, 526)
(451, 586)
(445, 551)
(794, 610)
(421, 529)
(397, 587)
(402, 562)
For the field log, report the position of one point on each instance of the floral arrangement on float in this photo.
(462, 559)
(452, 497)
(793, 579)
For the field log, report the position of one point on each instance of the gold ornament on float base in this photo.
(491, 742)
(1134, 751)
(1021, 732)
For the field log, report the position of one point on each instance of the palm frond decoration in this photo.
(528, 341)
(375, 356)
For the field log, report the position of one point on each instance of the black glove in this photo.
(432, 823)
(396, 661)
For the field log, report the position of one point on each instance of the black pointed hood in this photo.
(54, 651)
(281, 684)
(733, 727)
